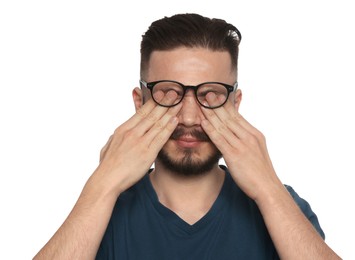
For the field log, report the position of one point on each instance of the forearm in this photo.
(292, 233)
(124, 160)
(80, 235)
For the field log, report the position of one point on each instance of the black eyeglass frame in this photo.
(150, 86)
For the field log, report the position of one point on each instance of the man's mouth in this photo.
(189, 138)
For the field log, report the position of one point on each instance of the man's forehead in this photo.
(184, 52)
(185, 61)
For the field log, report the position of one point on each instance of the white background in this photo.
(67, 69)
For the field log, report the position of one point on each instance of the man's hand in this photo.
(124, 160)
(133, 147)
(243, 148)
(245, 153)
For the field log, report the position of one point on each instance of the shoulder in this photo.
(302, 203)
(306, 209)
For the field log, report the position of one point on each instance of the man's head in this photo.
(189, 49)
(190, 31)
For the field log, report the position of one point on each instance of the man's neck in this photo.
(190, 197)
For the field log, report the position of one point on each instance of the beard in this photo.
(187, 163)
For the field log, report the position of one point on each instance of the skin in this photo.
(134, 146)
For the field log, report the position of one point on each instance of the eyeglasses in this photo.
(221, 90)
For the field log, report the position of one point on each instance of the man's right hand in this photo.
(133, 147)
(126, 157)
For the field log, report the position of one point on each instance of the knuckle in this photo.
(118, 131)
(222, 128)
(210, 113)
(102, 153)
(227, 120)
(141, 112)
(157, 142)
(260, 136)
(130, 135)
(215, 135)
(151, 117)
(252, 140)
(256, 138)
(237, 117)
(159, 125)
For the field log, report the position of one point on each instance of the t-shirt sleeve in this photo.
(306, 209)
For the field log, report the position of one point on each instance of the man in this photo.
(188, 207)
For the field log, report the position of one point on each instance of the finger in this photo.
(236, 116)
(158, 112)
(217, 137)
(139, 115)
(222, 120)
(245, 131)
(105, 148)
(143, 112)
(160, 125)
(163, 135)
(230, 117)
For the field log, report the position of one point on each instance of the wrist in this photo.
(101, 187)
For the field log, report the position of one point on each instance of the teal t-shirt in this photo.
(142, 228)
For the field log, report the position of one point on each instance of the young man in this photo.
(188, 207)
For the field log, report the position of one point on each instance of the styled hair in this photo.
(189, 30)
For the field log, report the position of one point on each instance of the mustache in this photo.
(198, 134)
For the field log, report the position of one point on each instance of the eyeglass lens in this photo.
(203, 90)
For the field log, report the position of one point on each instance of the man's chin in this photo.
(188, 163)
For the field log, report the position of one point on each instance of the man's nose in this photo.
(190, 113)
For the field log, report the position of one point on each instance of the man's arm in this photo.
(245, 153)
(80, 235)
(292, 233)
(125, 159)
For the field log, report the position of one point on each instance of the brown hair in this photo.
(190, 30)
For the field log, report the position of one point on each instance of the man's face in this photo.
(189, 151)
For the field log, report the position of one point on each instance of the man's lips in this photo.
(189, 138)
(188, 142)
(192, 135)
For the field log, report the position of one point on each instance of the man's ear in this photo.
(237, 99)
(137, 95)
